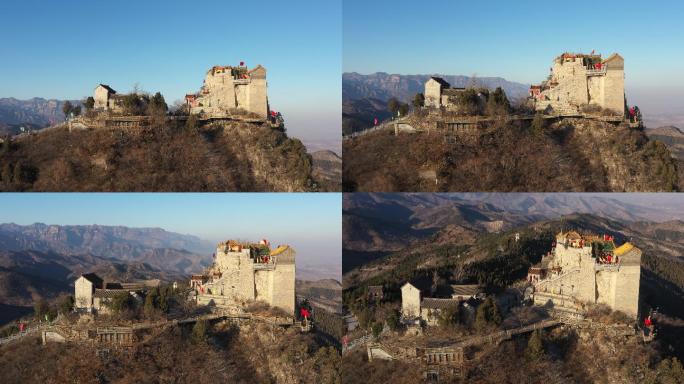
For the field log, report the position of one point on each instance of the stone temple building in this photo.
(92, 293)
(590, 269)
(439, 93)
(244, 272)
(428, 309)
(227, 89)
(577, 80)
(106, 99)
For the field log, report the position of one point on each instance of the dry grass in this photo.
(510, 157)
(230, 157)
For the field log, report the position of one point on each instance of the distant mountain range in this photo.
(156, 247)
(35, 113)
(42, 260)
(375, 224)
(383, 86)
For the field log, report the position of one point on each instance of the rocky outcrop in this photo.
(573, 154)
(227, 156)
(625, 157)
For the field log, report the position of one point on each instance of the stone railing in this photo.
(607, 267)
(26, 332)
(546, 282)
(596, 72)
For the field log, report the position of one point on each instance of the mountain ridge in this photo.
(159, 248)
(383, 86)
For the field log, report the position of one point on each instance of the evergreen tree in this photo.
(450, 315)
(538, 124)
(66, 305)
(403, 109)
(535, 345)
(418, 101)
(163, 300)
(158, 104)
(497, 103)
(89, 103)
(67, 108)
(151, 302)
(393, 320)
(481, 317)
(393, 106)
(199, 331)
(121, 302)
(376, 328)
(493, 315)
(191, 123)
(40, 308)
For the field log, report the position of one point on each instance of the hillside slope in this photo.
(219, 157)
(250, 353)
(571, 155)
(27, 275)
(360, 114)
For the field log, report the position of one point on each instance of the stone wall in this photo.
(572, 85)
(627, 285)
(242, 280)
(583, 279)
(614, 90)
(222, 93)
(283, 277)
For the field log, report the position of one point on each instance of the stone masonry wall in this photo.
(283, 286)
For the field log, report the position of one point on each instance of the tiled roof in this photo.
(434, 303)
(465, 290)
(441, 81)
(624, 248)
(108, 293)
(452, 91)
(93, 278)
(107, 87)
(281, 249)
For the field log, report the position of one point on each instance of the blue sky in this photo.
(310, 222)
(63, 49)
(518, 40)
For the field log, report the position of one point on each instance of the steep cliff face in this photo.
(219, 157)
(287, 356)
(567, 155)
(626, 158)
